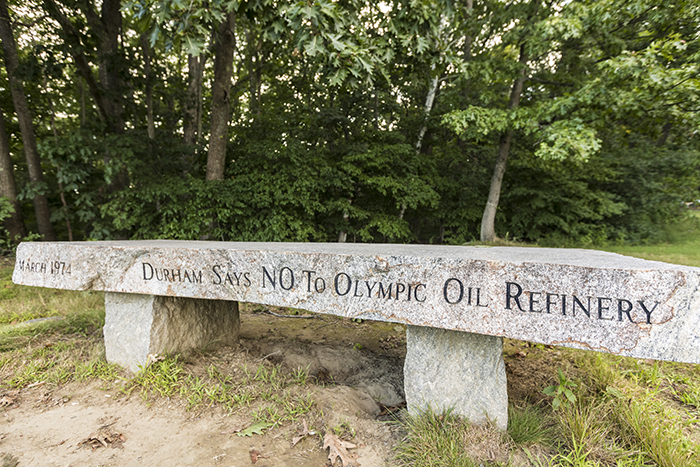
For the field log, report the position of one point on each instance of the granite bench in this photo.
(457, 302)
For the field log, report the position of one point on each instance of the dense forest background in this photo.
(429, 121)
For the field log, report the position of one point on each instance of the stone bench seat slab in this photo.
(577, 298)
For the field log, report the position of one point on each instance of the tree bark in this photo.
(61, 191)
(36, 178)
(221, 98)
(13, 224)
(145, 47)
(107, 27)
(429, 100)
(488, 230)
(193, 100)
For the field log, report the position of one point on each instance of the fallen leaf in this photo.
(521, 354)
(304, 433)
(389, 410)
(7, 401)
(339, 448)
(151, 358)
(254, 429)
(104, 437)
(255, 455)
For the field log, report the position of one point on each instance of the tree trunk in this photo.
(221, 98)
(149, 86)
(253, 58)
(193, 100)
(488, 230)
(108, 27)
(13, 224)
(41, 205)
(488, 221)
(429, 100)
(61, 191)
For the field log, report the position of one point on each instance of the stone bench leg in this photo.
(138, 325)
(456, 370)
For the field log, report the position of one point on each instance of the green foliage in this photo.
(568, 138)
(6, 243)
(561, 394)
(329, 101)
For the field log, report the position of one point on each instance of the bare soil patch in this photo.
(355, 372)
(354, 377)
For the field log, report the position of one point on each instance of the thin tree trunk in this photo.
(61, 191)
(429, 100)
(107, 26)
(41, 205)
(488, 221)
(468, 38)
(14, 224)
(82, 102)
(254, 72)
(149, 86)
(191, 104)
(192, 125)
(221, 98)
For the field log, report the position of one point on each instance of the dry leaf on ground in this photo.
(6, 401)
(232, 431)
(103, 438)
(304, 433)
(255, 455)
(339, 448)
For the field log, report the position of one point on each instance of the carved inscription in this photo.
(601, 308)
(458, 292)
(44, 267)
(170, 274)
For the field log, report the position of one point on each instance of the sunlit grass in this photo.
(19, 304)
(683, 249)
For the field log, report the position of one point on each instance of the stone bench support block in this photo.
(456, 370)
(138, 325)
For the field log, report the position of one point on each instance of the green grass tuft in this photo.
(444, 439)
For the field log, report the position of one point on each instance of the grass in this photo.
(627, 413)
(444, 439)
(70, 348)
(683, 247)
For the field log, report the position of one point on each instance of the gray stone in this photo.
(577, 298)
(137, 326)
(456, 370)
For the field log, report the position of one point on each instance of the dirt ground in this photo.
(356, 380)
(355, 372)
